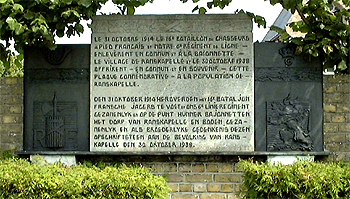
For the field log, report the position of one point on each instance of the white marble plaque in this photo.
(172, 83)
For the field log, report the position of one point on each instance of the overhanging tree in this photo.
(37, 22)
(325, 24)
(326, 28)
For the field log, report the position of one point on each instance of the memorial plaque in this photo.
(172, 83)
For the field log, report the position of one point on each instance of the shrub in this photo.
(6, 154)
(21, 179)
(302, 179)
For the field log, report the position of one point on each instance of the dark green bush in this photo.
(302, 179)
(21, 179)
(6, 154)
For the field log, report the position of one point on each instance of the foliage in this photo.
(326, 31)
(128, 6)
(37, 22)
(21, 179)
(11, 65)
(302, 179)
(259, 20)
(6, 154)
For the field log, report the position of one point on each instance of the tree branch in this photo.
(301, 14)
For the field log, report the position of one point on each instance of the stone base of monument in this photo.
(67, 160)
(285, 159)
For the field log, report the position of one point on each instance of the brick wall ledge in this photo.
(253, 153)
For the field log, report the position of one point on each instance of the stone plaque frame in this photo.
(172, 83)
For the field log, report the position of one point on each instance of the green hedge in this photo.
(302, 179)
(21, 179)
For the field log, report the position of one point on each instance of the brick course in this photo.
(196, 179)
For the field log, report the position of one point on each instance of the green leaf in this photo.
(285, 36)
(342, 33)
(65, 14)
(68, 13)
(346, 2)
(327, 65)
(85, 3)
(277, 29)
(143, 2)
(344, 50)
(310, 36)
(70, 31)
(17, 7)
(60, 33)
(15, 26)
(11, 22)
(260, 21)
(130, 10)
(299, 50)
(29, 15)
(333, 18)
(327, 49)
(298, 41)
(79, 28)
(325, 41)
(202, 10)
(195, 8)
(60, 25)
(210, 5)
(68, 2)
(273, 2)
(35, 29)
(44, 30)
(76, 13)
(342, 65)
(19, 29)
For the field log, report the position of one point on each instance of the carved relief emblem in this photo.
(287, 54)
(288, 125)
(57, 56)
(54, 130)
(55, 124)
